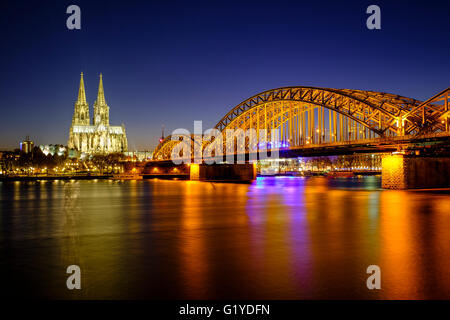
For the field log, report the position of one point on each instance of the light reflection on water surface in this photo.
(278, 238)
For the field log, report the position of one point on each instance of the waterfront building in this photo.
(98, 136)
(138, 155)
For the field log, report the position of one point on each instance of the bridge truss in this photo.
(302, 116)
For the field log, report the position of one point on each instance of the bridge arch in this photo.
(375, 110)
(314, 115)
(164, 149)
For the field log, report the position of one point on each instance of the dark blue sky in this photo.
(173, 62)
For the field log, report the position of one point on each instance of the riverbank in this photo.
(54, 177)
(175, 176)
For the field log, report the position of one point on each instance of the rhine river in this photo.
(277, 238)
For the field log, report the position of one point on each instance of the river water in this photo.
(277, 238)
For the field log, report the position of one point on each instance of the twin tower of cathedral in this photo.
(98, 136)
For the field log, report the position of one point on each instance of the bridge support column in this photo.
(414, 172)
(223, 172)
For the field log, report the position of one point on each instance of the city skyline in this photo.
(171, 64)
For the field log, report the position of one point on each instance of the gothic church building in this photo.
(98, 136)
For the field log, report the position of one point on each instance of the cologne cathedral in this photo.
(98, 136)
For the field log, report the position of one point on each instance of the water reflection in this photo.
(279, 238)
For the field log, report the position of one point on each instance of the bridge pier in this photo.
(223, 172)
(400, 171)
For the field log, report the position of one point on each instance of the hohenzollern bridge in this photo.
(325, 121)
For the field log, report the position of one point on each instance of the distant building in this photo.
(26, 145)
(138, 155)
(98, 137)
(53, 149)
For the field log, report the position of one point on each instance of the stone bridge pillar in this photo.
(223, 172)
(413, 172)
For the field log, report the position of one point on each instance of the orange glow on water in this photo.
(277, 238)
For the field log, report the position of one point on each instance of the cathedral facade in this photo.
(96, 137)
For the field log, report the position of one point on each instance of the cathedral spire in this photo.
(81, 92)
(101, 109)
(81, 111)
(101, 94)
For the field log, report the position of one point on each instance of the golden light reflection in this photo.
(193, 253)
(278, 238)
(399, 264)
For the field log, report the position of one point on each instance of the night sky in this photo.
(170, 62)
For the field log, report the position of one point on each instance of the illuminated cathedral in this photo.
(98, 136)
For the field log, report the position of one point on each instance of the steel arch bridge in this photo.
(303, 116)
(164, 149)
